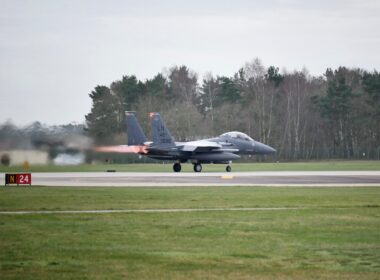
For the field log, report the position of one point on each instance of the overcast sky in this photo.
(54, 52)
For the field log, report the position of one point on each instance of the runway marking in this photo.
(228, 177)
(174, 210)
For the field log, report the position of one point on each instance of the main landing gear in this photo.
(177, 167)
(197, 167)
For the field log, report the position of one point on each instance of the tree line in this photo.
(336, 115)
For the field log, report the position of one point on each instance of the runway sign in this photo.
(19, 179)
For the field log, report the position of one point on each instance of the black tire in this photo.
(177, 167)
(228, 168)
(197, 167)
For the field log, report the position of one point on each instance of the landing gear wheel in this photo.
(197, 167)
(177, 167)
(228, 168)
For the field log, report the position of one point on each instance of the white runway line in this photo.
(174, 210)
(203, 174)
(185, 185)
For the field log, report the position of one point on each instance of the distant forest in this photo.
(336, 115)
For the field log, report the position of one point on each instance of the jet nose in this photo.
(271, 150)
(263, 149)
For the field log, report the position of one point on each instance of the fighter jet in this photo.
(222, 149)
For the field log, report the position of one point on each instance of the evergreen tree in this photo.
(371, 86)
(335, 107)
(105, 119)
(228, 91)
(128, 90)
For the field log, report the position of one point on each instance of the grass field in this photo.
(334, 233)
(265, 166)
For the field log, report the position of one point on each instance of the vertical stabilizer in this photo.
(135, 134)
(160, 134)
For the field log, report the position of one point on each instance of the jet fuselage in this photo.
(222, 149)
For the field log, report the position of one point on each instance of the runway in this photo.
(150, 179)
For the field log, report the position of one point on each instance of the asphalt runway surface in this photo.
(171, 179)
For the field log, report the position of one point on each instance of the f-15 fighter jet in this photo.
(222, 149)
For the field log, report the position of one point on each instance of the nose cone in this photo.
(262, 149)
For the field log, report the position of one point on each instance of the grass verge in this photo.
(333, 235)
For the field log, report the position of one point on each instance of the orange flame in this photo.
(137, 149)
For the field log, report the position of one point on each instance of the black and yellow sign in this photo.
(19, 179)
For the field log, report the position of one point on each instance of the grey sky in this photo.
(53, 53)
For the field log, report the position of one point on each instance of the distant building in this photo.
(18, 157)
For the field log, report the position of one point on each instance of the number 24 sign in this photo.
(19, 179)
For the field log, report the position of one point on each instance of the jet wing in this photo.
(203, 146)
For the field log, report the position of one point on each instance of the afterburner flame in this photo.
(137, 149)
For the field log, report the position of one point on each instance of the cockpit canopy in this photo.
(237, 135)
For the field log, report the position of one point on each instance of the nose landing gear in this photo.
(228, 168)
(197, 167)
